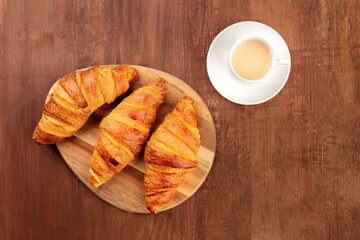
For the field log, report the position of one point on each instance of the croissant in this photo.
(124, 131)
(170, 154)
(76, 96)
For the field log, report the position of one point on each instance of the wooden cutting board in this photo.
(125, 189)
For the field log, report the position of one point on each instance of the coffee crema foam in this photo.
(251, 59)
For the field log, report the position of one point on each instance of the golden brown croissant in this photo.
(125, 131)
(170, 154)
(76, 96)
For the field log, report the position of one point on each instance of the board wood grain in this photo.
(125, 190)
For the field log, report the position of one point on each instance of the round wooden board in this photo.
(125, 189)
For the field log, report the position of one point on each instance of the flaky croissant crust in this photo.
(125, 131)
(76, 96)
(170, 154)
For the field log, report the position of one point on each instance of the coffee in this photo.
(251, 59)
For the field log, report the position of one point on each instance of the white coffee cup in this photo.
(274, 60)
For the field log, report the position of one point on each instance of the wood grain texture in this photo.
(285, 169)
(126, 189)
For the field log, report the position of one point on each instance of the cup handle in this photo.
(282, 61)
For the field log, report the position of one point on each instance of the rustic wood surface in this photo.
(285, 169)
(126, 189)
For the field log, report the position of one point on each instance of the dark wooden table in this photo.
(285, 169)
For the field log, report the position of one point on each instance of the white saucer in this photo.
(224, 80)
